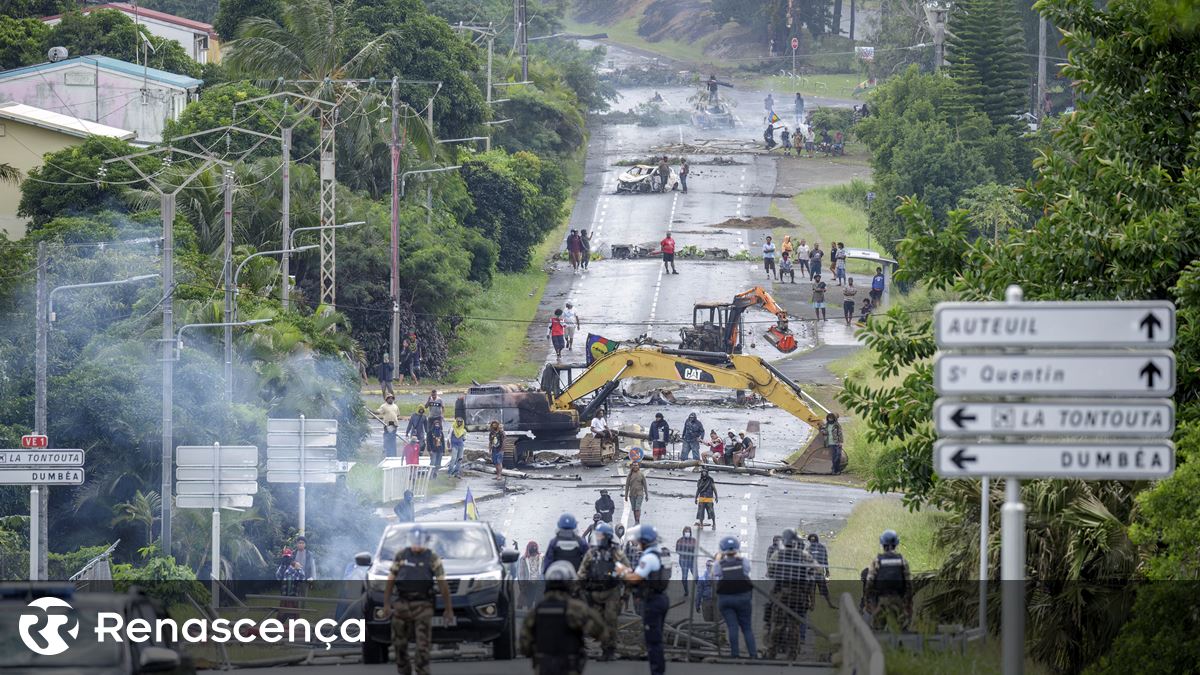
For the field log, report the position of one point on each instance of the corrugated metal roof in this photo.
(143, 12)
(73, 126)
(115, 65)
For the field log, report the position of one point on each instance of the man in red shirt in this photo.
(557, 333)
(668, 253)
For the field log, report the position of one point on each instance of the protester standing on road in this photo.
(820, 556)
(388, 411)
(570, 325)
(693, 433)
(735, 595)
(848, 293)
(685, 546)
(801, 258)
(565, 545)
(496, 447)
(706, 498)
(660, 435)
(652, 576)
(605, 507)
(818, 298)
(435, 406)
(386, 372)
(889, 585)
(840, 263)
(664, 173)
(877, 287)
(305, 558)
(792, 568)
(768, 253)
(585, 240)
(769, 104)
(574, 250)
(418, 426)
(404, 509)
(436, 443)
(408, 599)
(390, 431)
(553, 632)
(667, 246)
(529, 574)
(458, 440)
(786, 138)
(410, 360)
(833, 440)
(412, 451)
(815, 256)
(556, 332)
(636, 490)
(601, 586)
(684, 170)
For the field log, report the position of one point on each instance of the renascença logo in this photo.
(42, 630)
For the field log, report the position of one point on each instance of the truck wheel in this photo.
(504, 648)
(510, 452)
(374, 652)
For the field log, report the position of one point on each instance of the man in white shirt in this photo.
(768, 252)
(601, 431)
(571, 324)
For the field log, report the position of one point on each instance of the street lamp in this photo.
(222, 324)
(233, 314)
(290, 242)
(98, 284)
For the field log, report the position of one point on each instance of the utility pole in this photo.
(227, 186)
(39, 495)
(936, 14)
(522, 38)
(1039, 105)
(167, 210)
(394, 289)
(851, 19)
(285, 216)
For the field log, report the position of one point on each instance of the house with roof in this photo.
(26, 135)
(100, 89)
(197, 38)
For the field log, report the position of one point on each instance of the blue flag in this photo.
(470, 511)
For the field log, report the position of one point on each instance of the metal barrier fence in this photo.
(398, 477)
(861, 652)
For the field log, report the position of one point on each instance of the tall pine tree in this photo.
(985, 50)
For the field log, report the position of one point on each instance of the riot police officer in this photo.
(652, 576)
(566, 545)
(408, 599)
(601, 587)
(553, 632)
(889, 585)
(794, 571)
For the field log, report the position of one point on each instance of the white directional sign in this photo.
(1055, 324)
(311, 440)
(41, 476)
(206, 488)
(202, 455)
(294, 477)
(205, 473)
(310, 454)
(313, 426)
(310, 466)
(206, 501)
(1087, 461)
(55, 458)
(1049, 417)
(1132, 373)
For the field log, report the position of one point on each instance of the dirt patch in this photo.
(685, 20)
(757, 223)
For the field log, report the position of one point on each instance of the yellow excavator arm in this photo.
(727, 371)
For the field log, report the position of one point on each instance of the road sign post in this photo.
(795, 46)
(301, 451)
(1008, 409)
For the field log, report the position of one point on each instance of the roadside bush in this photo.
(853, 193)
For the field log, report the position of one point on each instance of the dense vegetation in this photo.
(1114, 193)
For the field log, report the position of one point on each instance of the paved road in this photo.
(522, 667)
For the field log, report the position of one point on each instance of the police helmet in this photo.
(889, 539)
(647, 534)
(730, 544)
(790, 538)
(605, 530)
(559, 575)
(416, 536)
(566, 522)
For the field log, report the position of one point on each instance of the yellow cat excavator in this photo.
(717, 326)
(570, 395)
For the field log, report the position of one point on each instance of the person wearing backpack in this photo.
(889, 585)
(552, 634)
(735, 595)
(602, 588)
(651, 578)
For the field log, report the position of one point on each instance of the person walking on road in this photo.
(436, 442)
(418, 426)
(435, 406)
(735, 595)
(889, 586)
(636, 491)
(605, 507)
(386, 372)
(768, 253)
(820, 556)
(706, 498)
(684, 170)
(848, 293)
(652, 576)
(793, 569)
(601, 586)
(496, 447)
(529, 574)
(574, 250)
(660, 435)
(839, 264)
(404, 509)
(832, 429)
(458, 441)
(570, 325)
(769, 104)
(557, 333)
(693, 433)
(408, 598)
(388, 411)
(552, 634)
(667, 246)
(685, 546)
(585, 241)
(818, 298)
(565, 545)
(410, 360)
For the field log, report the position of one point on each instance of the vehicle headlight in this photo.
(485, 580)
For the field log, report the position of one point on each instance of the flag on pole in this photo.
(598, 346)
(470, 511)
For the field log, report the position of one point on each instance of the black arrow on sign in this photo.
(1149, 323)
(960, 416)
(960, 458)
(1150, 371)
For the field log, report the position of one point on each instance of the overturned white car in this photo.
(645, 178)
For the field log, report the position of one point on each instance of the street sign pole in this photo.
(301, 475)
(215, 566)
(985, 503)
(1012, 561)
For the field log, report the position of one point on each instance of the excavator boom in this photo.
(778, 335)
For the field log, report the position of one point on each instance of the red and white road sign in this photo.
(35, 441)
(795, 44)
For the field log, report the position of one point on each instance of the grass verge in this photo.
(836, 85)
(858, 543)
(624, 32)
(981, 658)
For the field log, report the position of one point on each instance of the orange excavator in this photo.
(717, 326)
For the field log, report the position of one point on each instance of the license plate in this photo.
(440, 622)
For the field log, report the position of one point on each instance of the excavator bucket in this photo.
(784, 342)
(816, 458)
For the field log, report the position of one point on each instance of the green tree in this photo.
(199, 10)
(216, 108)
(985, 48)
(518, 199)
(9, 173)
(21, 41)
(230, 14)
(993, 209)
(35, 9)
(142, 510)
(109, 32)
(68, 182)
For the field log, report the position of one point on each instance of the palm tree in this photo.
(143, 509)
(9, 173)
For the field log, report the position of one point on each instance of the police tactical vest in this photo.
(889, 577)
(733, 577)
(659, 579)
(552, 635)
(569, 550)
(414, 579)
(600, 572)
